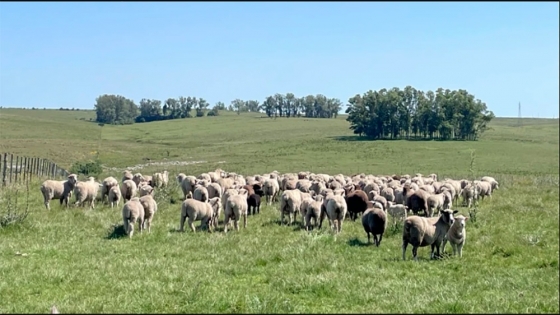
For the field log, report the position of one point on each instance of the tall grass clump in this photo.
(12, 210)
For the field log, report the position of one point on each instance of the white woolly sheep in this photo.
(107, 184)
(195, 210)
(290, 204)
(456, 236)
(493, 182)
(132, 212)
(439, 202)
(114, 196)
(150, 208)
(313, 211)
(144, 189)
(236, 207)
(398, 212)
(423, 231)
(56, 189)
(86, 192)
(128, 189)
(336, 211)
(270, 189)
(127, 175)
(200, 193)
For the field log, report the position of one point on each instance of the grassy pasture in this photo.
(77, 260)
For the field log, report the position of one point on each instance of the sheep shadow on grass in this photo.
(116, 231)
(357, 242)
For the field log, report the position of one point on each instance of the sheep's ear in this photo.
(455, 211)
(466, 218)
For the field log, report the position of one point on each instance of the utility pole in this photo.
(519, 115)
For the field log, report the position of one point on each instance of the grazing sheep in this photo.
(270, 189)
(439, 202)
(200, 193)
(150, 208)
(457, 235)
(357, 203)
(114, 196)
(236, 207)
(336, 211)
(254, 202)
(374, 221)
(107, 184)
(86, 192)
(423, 231)
(195, 210)
(388, 194)
(290, 204)
(132, 212)
(181, 177)
(56, 189)
(128, 189)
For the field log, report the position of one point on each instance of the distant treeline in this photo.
(410, 113)
(116, 109)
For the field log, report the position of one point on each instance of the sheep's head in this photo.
(447, 216)
(73, 179)
(460, 221)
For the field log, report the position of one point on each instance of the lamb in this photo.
(236, 207)
(336, 211)
(357, 203)
(374, 221)
(270, 190)
(55, 189)
(290, 203)
(158, 180)
(132, 212)
(128, 189)
(195, 210)
(439, 202)
(114, 196)
(107, 184)
(200, 193)
(457, 235)
(397, 212)
(86, 191)
(423, 231)
(313, 211)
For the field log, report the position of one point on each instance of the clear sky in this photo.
(67, 54)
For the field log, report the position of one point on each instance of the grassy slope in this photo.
(510, 262)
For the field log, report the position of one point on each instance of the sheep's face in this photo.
(73, 179)
(460, 220)
(448, 216)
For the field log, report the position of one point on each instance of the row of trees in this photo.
(396, 113)
(116, 109)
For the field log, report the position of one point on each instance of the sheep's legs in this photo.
(460, 250)
(191, 224)
(368, 238)
(226, 223)
(149, 224)
(244, 221)
(415, 252)
(130, 229)
(236, 224)
(404, 245)
(181, 228)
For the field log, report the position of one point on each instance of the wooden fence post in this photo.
(20, 170)
(4, 169)
(16, 172)
(11, 167)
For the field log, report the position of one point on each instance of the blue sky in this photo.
(67, 54)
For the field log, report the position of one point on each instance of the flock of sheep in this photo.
(314, 196)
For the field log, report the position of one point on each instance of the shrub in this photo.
(87, 168)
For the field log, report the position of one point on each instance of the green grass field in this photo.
(76, 261)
